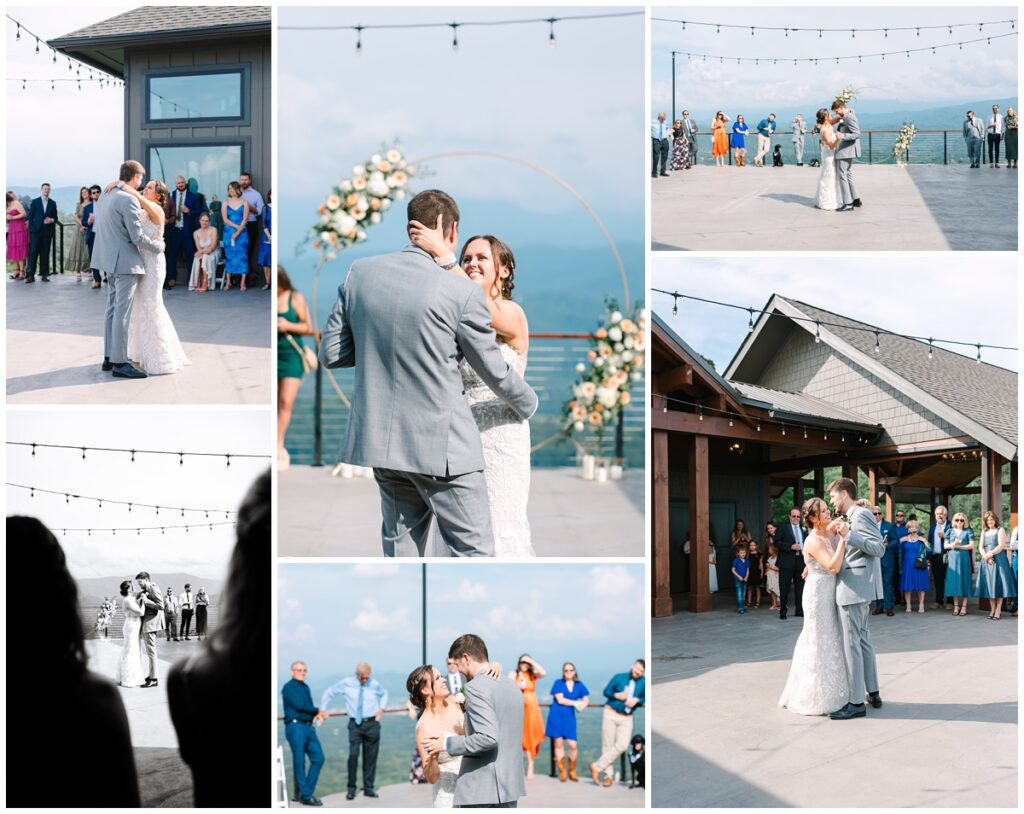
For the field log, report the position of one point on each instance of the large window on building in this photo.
(210, 165)
(216, 94)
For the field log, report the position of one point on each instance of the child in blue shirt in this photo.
(740, 570)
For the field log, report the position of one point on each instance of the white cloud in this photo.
(467, 592)
(613, 581)
(372, 619)
(373, 570)
(303, 634)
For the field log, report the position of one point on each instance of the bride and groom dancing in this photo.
(833, 670)
(839, 146)
(129, 247)
(143, 620)
(473, 758)
(441, 408)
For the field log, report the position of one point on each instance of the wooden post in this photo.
(699, 599)
(995, 483)
(819, 482)
(661, 601)
(798, 492)
(888, 509)
(850, 471)
(986, 484)
(872, 485)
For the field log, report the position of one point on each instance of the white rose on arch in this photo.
(376, 185)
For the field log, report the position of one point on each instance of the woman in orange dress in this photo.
(526, 675)
(719, 140)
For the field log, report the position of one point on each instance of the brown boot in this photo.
(560, 763)
(572, 771)
(594, 773)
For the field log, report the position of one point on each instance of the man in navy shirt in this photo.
(624, 693)
(900, 533)
(892, 543)
(299, 718)
(765, 130)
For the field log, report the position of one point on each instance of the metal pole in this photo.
(673, 86)
(423, 594)
(869, 146)
(619, 441)
(945, 142)
(318, 403)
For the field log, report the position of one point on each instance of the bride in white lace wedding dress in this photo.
(153, 343)
(129, 663)
(817, 683)
(827, 195)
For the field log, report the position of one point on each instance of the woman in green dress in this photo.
(293, 323)
(1012, 124)
(995, 576)
(78, 254)
(959, 549)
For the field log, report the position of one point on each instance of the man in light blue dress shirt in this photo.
(365, 702)
(659, 145)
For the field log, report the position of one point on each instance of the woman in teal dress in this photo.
(995, 577)
(293, 323)
(959, 547)
(265, 242)
(235, 213)
(568, 694)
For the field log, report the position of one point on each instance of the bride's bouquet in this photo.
(613, 365)
(106, 614)
(360, 201)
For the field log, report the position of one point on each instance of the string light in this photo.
(853, 31)
(675, 306)
(551, 35)
(133, 452)
(359, 40)
(102, 500)
(817, 331)
(139, 529)
(455, 36)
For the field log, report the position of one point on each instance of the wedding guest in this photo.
(937, 533)
(754, 577)
(300, 717)
(42, 217)
(228, 672)
(974, 138)
(235, 212)
(739, 533)
(887, 531)
(85, 709)
(1012, 124)
(265, 242)
(216, 216)
(690, 128)
(740, 577)
(1014, 539)
(78, 253)
(180, 241)
(171, 609)
(255, 201)
(960, 554)
(790, 542)
(659, 145)
(568, 695)
(719, 140)
(772, 570)
(623, 694)
(995, 575)
(901, 532)
(202, 610)
(204, 257)
(913, 579)
(995, 128)
(293, 323)
(680, 147)
(799, 131)
(454, 678)
(526, 675)
(738, 141)
(17, 235)
(765, 131)
(187, 603)
(712, 569)
(89, 219)
(365, 702)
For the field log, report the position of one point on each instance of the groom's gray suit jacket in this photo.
(405, 324)
(849, 137)
(119, 234)
(492, 748)
(860, 578)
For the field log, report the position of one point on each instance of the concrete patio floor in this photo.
(322, 516)
(946, 735)
(918, 208)
(55, 347)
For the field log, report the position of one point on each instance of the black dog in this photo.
(637, 762)
(777, 156)
(814, 163)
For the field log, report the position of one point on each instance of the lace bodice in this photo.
(443, 793)
(815, 568)
(477, 392)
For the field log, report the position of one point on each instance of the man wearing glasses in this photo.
(300, 717)
(900, 533)
(888, 532)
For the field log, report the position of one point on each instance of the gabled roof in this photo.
(977, 398)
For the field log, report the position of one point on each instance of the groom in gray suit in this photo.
(152, 622)
(491, 774)
(405, 324)
(847, 150)
(119, 236)
(859, 584)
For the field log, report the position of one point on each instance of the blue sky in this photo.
(334, 616)
(880, 290)
(952, 75)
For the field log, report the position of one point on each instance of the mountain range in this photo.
(92, 590)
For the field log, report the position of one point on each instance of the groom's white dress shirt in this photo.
(997, 120)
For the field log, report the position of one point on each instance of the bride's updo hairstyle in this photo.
(126, 587)
(821, 116)
(503, 259)
(812, 510)
(417, 680)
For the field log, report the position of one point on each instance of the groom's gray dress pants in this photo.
(844, 169)
(120, 294)
(409, 502)
(861, 673)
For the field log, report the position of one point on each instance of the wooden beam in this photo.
(718, 427)
(661, 600)
(674, 379)
(699, 598)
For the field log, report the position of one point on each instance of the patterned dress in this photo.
(236, 249)
(78, 254)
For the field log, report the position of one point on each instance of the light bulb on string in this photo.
(675, 306)
(17, 34)
(817, 331)
(978, 360)
(929, 349)
(455, 37)
(37, 45)
(751, 31)
(551, 34)
(878, 347)
(53, 85)
(228, 457)
(750, 321)
(359, 40)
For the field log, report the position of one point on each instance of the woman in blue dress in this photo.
(738, 141)
(995, 577)
(265, 241)
(959, 547)
(235, 212)
(568, 694)
(912, 579)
